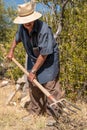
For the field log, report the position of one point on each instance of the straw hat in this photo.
(26, 13)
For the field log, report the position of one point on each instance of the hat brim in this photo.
(27, 19)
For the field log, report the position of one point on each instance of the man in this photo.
(43, 56)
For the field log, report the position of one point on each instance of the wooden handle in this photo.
(35, 81)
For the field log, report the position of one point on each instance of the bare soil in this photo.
(12, 116)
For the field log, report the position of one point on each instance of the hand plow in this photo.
(57, 107)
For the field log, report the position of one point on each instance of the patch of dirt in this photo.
(12, 116)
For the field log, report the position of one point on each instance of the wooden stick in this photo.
(35, 81)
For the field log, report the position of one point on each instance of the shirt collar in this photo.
(35, 27)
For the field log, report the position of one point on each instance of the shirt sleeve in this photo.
(46, 42)
(17, 36)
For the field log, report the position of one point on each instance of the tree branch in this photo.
(60, 25)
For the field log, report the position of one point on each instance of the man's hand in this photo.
(31, 76)
(11, 52)
(10, 55)
(39, 62)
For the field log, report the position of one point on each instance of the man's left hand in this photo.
(31, 76)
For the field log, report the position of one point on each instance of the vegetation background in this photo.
(68, 19)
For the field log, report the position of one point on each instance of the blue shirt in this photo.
(40, 41)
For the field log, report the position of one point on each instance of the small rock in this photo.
(17, 86)
(4, 83)
(21, 80)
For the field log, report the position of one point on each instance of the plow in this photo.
(56, 108)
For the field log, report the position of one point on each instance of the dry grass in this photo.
(11, 117)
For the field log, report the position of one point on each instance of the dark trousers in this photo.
(39, 101)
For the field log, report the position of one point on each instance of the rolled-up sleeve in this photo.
(46, 42)
(17, 36)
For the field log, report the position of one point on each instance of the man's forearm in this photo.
(11, 52)
(39, 62)
(13, 45)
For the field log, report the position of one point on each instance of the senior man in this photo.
(43, 56)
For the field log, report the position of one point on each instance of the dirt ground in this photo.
(12, 117)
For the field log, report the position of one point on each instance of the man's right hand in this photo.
(10, 54)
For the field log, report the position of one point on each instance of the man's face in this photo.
(29, 26)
